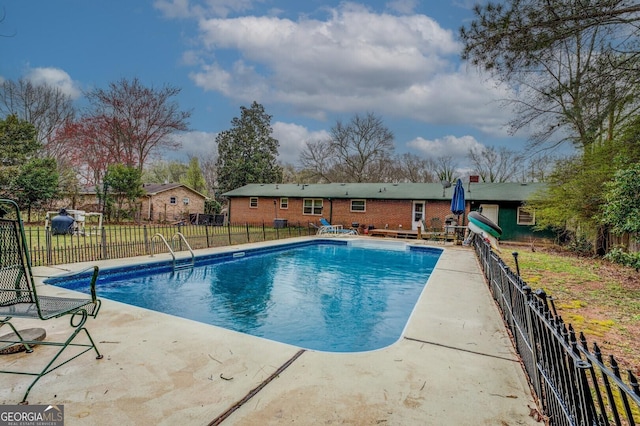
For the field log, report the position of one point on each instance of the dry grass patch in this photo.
(597, 297)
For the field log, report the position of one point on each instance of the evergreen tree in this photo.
(18, 144)
(124, 183)
(193, 178)
(36, 184)
(247, 152)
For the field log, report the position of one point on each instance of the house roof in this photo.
(151, 188)
(156, 188)
(508, 191)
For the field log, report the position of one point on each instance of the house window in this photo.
(312, 206)
(358, 205)
(173, 200)
(253, 202)
(185, 201)
(284, 203)
(526, 217)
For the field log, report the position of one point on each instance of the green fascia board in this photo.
(390, 191)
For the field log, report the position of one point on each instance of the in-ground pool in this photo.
(328, 295)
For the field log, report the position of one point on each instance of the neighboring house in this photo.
(161, 202)
(170, 202)
(383, 205)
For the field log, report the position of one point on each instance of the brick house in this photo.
(170, 202)
(382, 205)
(161, 202)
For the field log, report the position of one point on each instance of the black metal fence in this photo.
(120, 241)
(572, 382)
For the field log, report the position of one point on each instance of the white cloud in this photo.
(355, 60)
(292, 138)
(54, 77)
(194, 144)
(355, 52)
(448, 146)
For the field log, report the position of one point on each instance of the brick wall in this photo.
(162, 209)
(379, 213)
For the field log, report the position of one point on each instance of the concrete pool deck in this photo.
(454, 365)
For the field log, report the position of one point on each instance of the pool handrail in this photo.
(171, 251)
(173, 255)
(179, 235)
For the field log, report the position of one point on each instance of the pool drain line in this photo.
(255, 390)
(461, 349)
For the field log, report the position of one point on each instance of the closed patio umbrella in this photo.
(458, 206)
(457, 201)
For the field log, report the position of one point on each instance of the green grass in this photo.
(598, 298)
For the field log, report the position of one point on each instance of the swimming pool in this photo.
(327, 295)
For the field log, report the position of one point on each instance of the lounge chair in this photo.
(19, 298)
(329, 229)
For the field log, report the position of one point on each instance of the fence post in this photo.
(515, 257)
(103, 233)
(229, 231)
(533, 343)
(264, 232)
(47, 237)
(248, 237)
(145, 234)
(206, 233)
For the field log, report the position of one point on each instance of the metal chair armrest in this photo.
(92, 283)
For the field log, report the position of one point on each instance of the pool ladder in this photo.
(177, 236)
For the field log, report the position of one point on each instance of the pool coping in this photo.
(455, 364)
(147, 268)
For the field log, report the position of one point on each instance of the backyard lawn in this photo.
(597, 297)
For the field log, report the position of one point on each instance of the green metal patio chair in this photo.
(19, 298)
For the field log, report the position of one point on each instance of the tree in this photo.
(124, 183)
(18, 145)
(164, 172)
(46, 107)
(574, 65)
(357, 151)
(495, 164)
(135, 121)
(89, 150)
(538, 167)
(194, 178)
(210, 174)
(18, 141)
(247, 152)
(446, 168)
(508, 37)
(411, 168)
(36, 184)
(319, 162)
(622, 207)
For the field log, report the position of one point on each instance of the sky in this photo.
(310, 63)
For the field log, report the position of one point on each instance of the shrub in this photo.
(618, 255)
(580, 244)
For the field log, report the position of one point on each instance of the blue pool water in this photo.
(327, 295)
